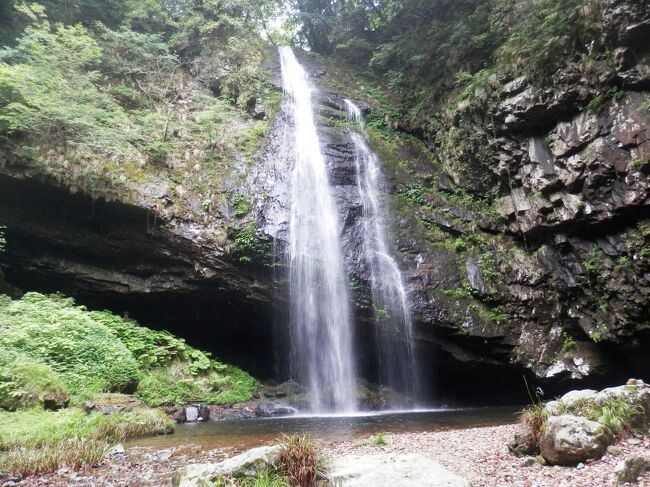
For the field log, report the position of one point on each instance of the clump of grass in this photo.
(37, 441)
(299, 461)
(266, 478)
(376, 440)
(48, 458)
(618, 414)
(533, 420)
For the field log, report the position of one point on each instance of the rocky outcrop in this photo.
(411, 470)
(555, 282)
(569, 440)
(635, 394)
(246, 464)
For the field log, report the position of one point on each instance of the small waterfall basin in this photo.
(249, 433)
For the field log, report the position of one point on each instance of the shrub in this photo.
(88, 357)
(67, 347)
(25, 383)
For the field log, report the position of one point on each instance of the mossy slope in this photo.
(48, 345)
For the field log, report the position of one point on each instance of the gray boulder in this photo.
(393, 470)
(629, 469)
(245, 464)
(569, 440)
(273, 409)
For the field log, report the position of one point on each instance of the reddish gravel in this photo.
(481, 456)
(477, 454)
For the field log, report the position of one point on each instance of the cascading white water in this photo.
(321, 335)
(397, 365)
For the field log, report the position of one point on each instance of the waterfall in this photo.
(397, 364)
(321, 329)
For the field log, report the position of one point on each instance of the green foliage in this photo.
(596, 336)
(64, 347)
(414, 193)
(85, 353)
(463, 292)
(27, 383)
(540, 33)
(266, 478)
(48, 87)
(568, 344)
(381, 314)
(594, 261)
(596, 103)
(617, 413)
(376, 440)
(152, 349)
(241, 206)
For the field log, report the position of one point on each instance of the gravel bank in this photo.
(481, 456)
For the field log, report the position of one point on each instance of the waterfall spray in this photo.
(397, 364)
(321, 334)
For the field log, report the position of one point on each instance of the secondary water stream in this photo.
(397, 366)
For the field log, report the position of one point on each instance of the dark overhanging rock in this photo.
(113, 256)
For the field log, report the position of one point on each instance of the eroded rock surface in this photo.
(569, 440)
(246, 464)
(411, 470)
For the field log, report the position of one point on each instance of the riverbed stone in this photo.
(243, 465)
(569, 440)
(396, 470)
(628, 470)
(270, 409)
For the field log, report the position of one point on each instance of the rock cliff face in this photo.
(549, 278)
(557, 282)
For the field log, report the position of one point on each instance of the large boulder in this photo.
(245, 464)
(569, 440)
(271, 409)
(396, 470)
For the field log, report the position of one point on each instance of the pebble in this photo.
(478, 455)
(614, 450)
